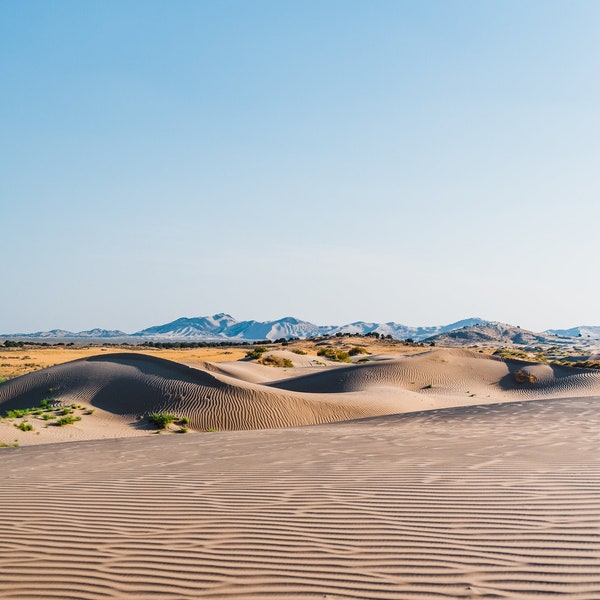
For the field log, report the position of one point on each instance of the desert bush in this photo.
(48, 416)
(256, 352)
(522, 377)
(275, 361)
(24, 426)
(357, 350)
(184, 420)
(333, 354)
(67, 420)
(48, 403)
(298, 351)
(161, 420)
(18, 413)
(585, 364)
(182, 430)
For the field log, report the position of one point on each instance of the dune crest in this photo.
(125, 388)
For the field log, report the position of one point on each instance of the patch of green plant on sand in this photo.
(333, 354)
(275, 361)
(67, 420)
(162, 420)
(256, 352)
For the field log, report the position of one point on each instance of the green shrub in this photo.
(48, 416)
(14, 444)
(333, 354)
(48, 403)
(18, 413)
(184, 421)
(182, 430)
(298, 351)
(357, 350)
(161, 420)
(67, 420)
(256, 352)
(24, 426)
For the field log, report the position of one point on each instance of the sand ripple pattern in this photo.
(498, 501)
(134, 385)
(448, 372)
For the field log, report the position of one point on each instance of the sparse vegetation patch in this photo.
(522, 377)
(275, 361)
(357, 350)
(256, 352)
(162, 420)
(24, 426)
(333, 354)
(67, 420)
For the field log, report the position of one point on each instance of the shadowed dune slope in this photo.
(129, 386)
(449, 371)
(499, 501)
(132, 385)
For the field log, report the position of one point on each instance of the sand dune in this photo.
(128, 387)
(125, 388)
(497, 501)
(451, 372)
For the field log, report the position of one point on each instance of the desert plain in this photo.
(409, 472)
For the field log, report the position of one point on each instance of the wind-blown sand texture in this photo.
(124, 388)
(499, 499)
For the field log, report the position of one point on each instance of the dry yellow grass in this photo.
(15, 362)
(20, 361)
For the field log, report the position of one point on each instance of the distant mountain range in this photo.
(583, 331)
(497, 334)
(223, 327)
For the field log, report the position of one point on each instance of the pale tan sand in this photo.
(499, 501)
(125, 388)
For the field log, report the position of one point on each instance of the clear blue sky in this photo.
(416, 161)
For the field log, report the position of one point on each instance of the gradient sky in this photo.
(417, 162)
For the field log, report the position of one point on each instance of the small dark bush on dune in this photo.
(275, 361)
(24, 426)
(67, 420)
(522, 377)
(256, 352)
(333, 354)
(357, 350)
(161, 420)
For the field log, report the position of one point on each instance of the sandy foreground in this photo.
(484, 488)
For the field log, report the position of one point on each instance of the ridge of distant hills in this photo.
(224, 327)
